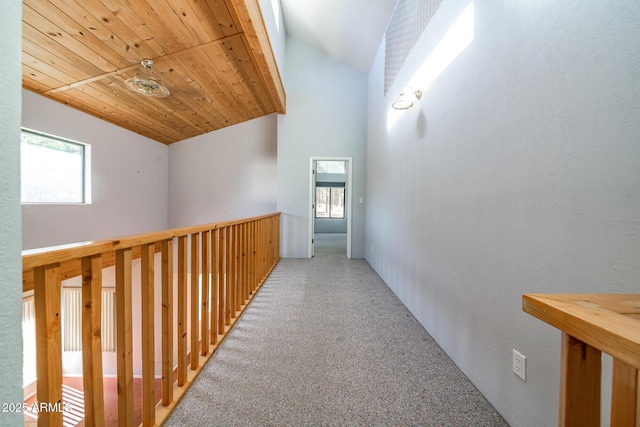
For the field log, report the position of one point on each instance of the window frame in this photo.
(85, 174)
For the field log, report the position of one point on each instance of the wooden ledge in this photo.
(608, 322)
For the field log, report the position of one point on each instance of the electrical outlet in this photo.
(520, 365)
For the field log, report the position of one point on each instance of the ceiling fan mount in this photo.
(147, 85)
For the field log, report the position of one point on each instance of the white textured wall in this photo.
(10, 260)
(129, 179)
(326, 117)
(226, 174)
(518, 172)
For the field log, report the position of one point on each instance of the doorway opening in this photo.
(330, 201)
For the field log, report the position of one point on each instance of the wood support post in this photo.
(215, 278)
(195, 270)
(204, 293)
(182, 310)
(92, 340)
(148, 343)
(124, 336)
(625, 397)
(579, 383)
(48, 343)
(167, 322)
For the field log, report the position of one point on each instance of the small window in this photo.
(53, 169)
(330, 202)
(331, 166)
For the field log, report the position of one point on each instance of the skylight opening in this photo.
(459, 36)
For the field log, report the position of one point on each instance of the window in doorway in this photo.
(331, 166)
(53, 169)
(330, 200)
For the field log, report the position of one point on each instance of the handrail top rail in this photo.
(32, 258)
(608, 322)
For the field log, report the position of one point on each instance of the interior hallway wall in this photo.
(326, 117)
(129, 179)
(518, 172)
(227, 174)
(10, 247)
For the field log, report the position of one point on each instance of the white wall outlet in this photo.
(520, 365)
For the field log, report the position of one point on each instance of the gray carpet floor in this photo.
(326, 343)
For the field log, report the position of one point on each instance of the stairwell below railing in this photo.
(205, 277)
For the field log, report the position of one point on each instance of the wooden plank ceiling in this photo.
(214, 56)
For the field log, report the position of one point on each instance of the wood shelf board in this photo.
(609, 322)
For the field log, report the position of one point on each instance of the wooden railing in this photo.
(228, 262)
(591, 324)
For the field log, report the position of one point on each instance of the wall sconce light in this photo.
(406, 99)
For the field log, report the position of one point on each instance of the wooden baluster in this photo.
(242, 282)
(215, 277)
(245, 255)
(264, 250)
(625, 397)
(240, 273)
(232, 273)
(274, 239)
(222, 293)
(579, 383)
(239, 292)
(47, 289)
(195, 270)
(124, 331)
(265, 247)
(229, 288)
(238, 269)
(269, 244)
(204, 294)
(91, 267)
(148, 344)
(167, 322)
(252, 254)
(256, 253)
(238, 288)
(276, 233)
(182, 310)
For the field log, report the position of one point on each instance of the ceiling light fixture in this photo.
(147, 86)
(406, 99)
